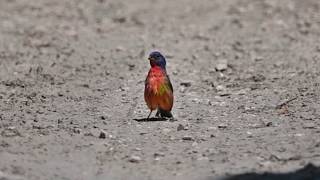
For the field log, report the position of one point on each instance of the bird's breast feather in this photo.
(158, 83)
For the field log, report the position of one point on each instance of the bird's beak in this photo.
(151, 58)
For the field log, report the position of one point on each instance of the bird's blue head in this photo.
(157, 59)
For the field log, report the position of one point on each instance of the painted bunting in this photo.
(158, 92)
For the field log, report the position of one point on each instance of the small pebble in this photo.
(180, 127)
(134, 159)
(222, 126)
(222, 65)
(220, 88)
(268, 124)
(157, 154)
(187, 138)
(298, 135)
(203, 158)
(10, 132)
(102, 134)
(309, 126)
(120, 48)
(185, 84)
(211, 128)
(77, 130)
(194, 144)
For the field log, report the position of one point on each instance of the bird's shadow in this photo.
(150, 119)
(310, 172)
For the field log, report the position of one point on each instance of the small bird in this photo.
(158, 92)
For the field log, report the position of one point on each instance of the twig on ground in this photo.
(279, 106)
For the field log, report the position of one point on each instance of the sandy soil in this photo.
(245, 73)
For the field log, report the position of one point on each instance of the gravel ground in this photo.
(245, 74)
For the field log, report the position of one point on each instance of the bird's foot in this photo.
(171, 119)
(158, 115)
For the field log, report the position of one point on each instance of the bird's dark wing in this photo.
(169, 83)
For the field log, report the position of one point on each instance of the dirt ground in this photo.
(245, 74)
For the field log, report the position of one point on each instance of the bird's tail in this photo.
(164, 114)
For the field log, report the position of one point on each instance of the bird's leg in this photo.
(158, 113)
(149, 114)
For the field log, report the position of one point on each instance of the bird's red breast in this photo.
(158, 90)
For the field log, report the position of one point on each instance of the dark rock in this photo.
(102, 134)
(185, 84)
(222, 126)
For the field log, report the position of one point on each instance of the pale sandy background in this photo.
(72, 77)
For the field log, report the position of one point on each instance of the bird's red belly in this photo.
(155, 101)
(155, 97)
